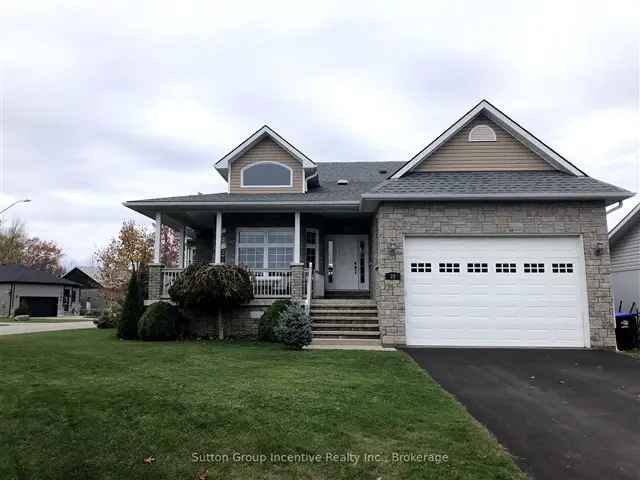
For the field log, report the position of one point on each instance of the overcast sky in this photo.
(107, 103)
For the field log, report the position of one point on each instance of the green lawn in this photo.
(82, 404)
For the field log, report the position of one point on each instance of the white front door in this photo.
(496, 292)
(347, 262)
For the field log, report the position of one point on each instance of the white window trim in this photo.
(486, 130)
(265, 246)
(266, 186)
(317, 247)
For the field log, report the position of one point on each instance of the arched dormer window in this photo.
(266, 174)
(482, 133)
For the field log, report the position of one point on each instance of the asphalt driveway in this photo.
(569, 414)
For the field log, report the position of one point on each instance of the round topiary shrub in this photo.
(269, 320)
(159, 322)
(294, 327)
(206, 287)
(211, 289)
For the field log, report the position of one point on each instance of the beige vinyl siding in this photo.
(460, 155)
(266, 150)
(625, 253)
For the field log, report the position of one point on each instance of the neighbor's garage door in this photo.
(495, 291)
(41, 306)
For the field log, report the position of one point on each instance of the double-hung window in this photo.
(265, 248)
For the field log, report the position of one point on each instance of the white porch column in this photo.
(296, 242)
(156, 239)
(218, 247)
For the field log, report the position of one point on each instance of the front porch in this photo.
(296, 255)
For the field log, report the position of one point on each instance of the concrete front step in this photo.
(346, 318)
(343, 301)
(349, 326)
(344, 311)
(345, 333)
(344, 342)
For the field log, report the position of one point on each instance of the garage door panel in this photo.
(481, 305)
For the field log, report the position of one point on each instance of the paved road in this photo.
(563, 414)
(32, 327)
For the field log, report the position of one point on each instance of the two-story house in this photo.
(486, 237)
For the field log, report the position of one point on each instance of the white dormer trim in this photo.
(253, 164)
(549, 155)
(482, 133)
(256, 137)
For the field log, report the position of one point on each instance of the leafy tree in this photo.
(129, 251)
(132, 310)
(132, 250)
(17, 247)
(169, 247)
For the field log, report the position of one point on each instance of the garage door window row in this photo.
(479, 267)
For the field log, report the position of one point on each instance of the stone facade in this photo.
(587, 219)
(155, 281)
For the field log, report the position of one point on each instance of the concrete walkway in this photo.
(33, 327)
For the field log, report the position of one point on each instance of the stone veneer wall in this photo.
(395, 220)
(240, 322)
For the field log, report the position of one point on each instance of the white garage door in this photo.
(495, 291)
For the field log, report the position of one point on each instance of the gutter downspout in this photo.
(617, 207)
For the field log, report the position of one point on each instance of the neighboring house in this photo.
(45, 294)
(624, 244)
(487, 237)
(92, 300)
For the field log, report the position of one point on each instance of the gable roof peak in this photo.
(256, 137)
(503, 121)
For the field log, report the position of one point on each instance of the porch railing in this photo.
(169, 276)
(266, 282)
(271, 282)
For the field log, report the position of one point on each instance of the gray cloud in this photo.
(108, 103)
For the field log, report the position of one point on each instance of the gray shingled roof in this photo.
(368, 184)
(22, 274)
(461, 184)
(362, 177)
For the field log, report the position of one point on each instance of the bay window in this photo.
(265, 248)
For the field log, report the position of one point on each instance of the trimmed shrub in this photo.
(23, 309)
(159, 322)
(108, 318)
(132, 310)
(206, 288)
(269, 320)
(294, 327)
(211, 289)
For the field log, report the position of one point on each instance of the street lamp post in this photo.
(24, 200)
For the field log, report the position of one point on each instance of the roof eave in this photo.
(148, 208)
(371, 200)
(625, 223)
